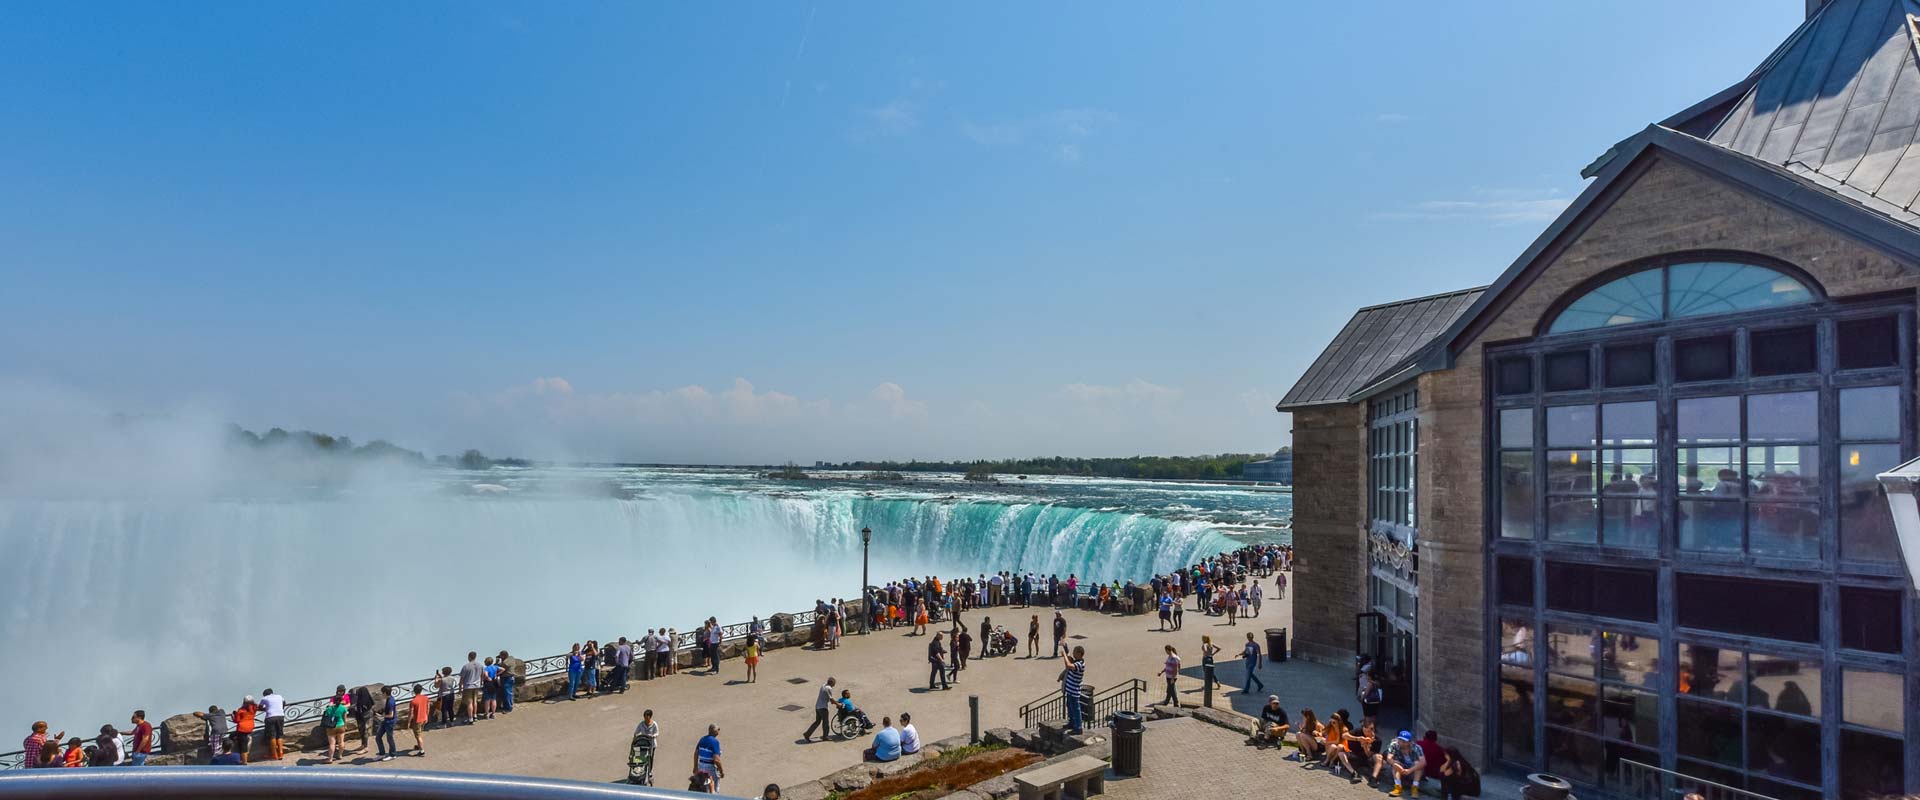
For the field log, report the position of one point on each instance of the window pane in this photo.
(1873, 699)
(1623, 301)
(1627, 472)
(1572, 702)
(1866, 524)
(1566, 372)
(1610, 775)
(1868, 343)
(1630, 658)
(1710, 525)
(1570, 650)
(1709, 471)
(1707, 671)
(1516, 495)
(1782, 747)
(1783, 684)
(1707, 420)
(1790, 417)
(1572, 519)
(1783, 529)
(1787, 610)
(1871, 766)
(1516, 427)
(1629, 365)
(1570, 426)
(1870, 413)
(1719, 287)
(1570, 471)
(1708, 731)
(1516, 643)
(1628, 423)
(1705, 359)
(1870, 619)
(1515, 580)
(1516, 714)
(1513, 376)
(1779, 790)
(1630, 523)
(1791, 472)
(1630, 716)
(1720, 775)
(1784, 352)
(1573, 756)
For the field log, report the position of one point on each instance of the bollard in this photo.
(1207, 698)
(973, 716)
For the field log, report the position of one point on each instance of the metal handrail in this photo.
(1640, 781)
(1052, 709)
(199, 782)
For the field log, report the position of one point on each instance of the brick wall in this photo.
(1329, 515)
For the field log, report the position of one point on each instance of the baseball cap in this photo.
(1406, 735)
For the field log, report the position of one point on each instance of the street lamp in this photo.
(1901, 483)
(866, 601)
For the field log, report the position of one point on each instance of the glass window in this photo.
(1783, 747)
(1718, 287)
(1516, 643)
(1630, 716)
(1790, 472)
(1572, 702)
(1629, 365)
(1516, 427)
(1516, 714)
(1709, 470)
(1788, 530)
(1573, 519)
(1631, 523)
(1709, 358)
(1866, 523)
(1871, 766)
(1627, 423)
(1868, 343)
(1784, 684)
(1567, 372)
(1516, 494)
(1624, 301)
(1870, 413)
(1513, 376)
(1789, 351)
(1570, 650)
(1870, 619)
(1707, 671)
(1786, 610)
(1571, 426)
(1515, 580)
(1570, 471)
(1873, 699)
(1630, 658)
(1708, 731)
(1707, 420)
(1710, 525)
(1789, 417)
(1573, 756)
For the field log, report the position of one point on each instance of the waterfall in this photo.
(171, 605)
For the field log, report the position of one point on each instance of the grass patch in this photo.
(952, 771)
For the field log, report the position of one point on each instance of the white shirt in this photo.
(909, 739)
(274, 706)
(650, 730)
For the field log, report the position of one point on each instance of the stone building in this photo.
(1618, 507)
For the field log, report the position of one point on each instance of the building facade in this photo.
(1632, 483)
(1275, 469)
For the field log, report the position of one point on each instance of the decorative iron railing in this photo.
(1637, 781)
(1052, 709)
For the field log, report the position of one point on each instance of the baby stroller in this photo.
(1002, 642)
(640, 761)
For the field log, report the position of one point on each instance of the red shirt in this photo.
(143, 738)
(243, 719)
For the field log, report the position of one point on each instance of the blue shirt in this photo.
(706, 751)
(886, 745)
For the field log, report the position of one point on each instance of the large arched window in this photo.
(1675, 291)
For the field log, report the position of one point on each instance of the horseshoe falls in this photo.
(169, 604)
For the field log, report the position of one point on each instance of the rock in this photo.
(516, 666)
(996, 787)
(1231, 720)
(780, 623)
(997, 736)
(952, 742)
(964, 794)
(849, 779)
(811, 790)
(930, 751)
(898, 765)
(184, 734)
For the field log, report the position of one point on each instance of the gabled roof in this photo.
(1839, 104)
(1378, 341)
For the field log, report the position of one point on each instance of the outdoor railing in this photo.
(1052, 709)
(1637, 781)
(362, 784)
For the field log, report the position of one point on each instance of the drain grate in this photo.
(796, 681)
(790, 708)
(1076, 636)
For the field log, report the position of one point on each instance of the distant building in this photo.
(1278, 469)
(1620, 506)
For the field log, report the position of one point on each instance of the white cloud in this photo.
(1499, 206)
(1136, 391)
(1062, 132)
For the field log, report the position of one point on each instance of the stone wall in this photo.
(1668, 207)
(1329, 533)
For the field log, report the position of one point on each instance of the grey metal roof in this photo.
(1839, 105)
(1378, 340)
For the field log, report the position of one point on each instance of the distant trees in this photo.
(1205, 467)
(378, 449)
(981, 471)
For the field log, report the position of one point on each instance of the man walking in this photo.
(273, 708)
(706, 758)
(1059, 634)
(820, 706)
(1250, 655)
(936, 659)
(1254, 596)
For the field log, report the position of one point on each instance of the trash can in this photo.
(1128, 728)
(1542, 786)
(1276, 644)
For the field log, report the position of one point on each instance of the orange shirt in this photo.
(420, 705)
(243, 718)
(76, 757)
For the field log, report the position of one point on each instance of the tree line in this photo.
(1224, 466)
(328, 444)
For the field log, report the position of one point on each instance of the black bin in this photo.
(1128, 729)
(1276, 644)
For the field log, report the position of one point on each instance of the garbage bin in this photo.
(1128, 729)
(1276, 644)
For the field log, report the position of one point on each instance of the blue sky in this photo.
(760, 232)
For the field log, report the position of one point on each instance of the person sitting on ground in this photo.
(1308, 737)
(886, 743)
(1436, 754)
(231, 758)
(909, 736)
(1333, 735)
(1273, 725)
(1408, 762)
(848, 708)
(1459, 779)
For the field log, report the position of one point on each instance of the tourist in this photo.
(622, 664)
(714, 635)
(909, 736)
(448, 688)
(227, 759)
(820, 705)
(1371, 696)
(75, 755)
(772, 792)
(1409, 764)
(215, 729)
(1170, 670)
(1230, 605)
(1436, 755)
(106, 749)
(419, 707)
(473, 677)
(1253, 598)
(274, 708)
(1333, 737)
(49, 754)
(1033, 637)
(663, 654)
(1250, 656)
(1458, 779)
(936, 659)
(384, 716)
(986, 634)
(706, 758)
(753, 659)
(575, 664)
(590, 666)
(1308, 737)
(919, 617)
(1059, 634)
(670, 650)
(490, 688)
(962, 645)
(1273, 726)
(507, 681)
(1072, 678)
(1207, 652)
(886, 743)
(1166, 611)
(243, 725)
(362, 710)
(1280, 586)
(143, 739)
(333, 722)
(847, 708)
(1361, 753)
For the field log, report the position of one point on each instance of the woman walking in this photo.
(1171, 671)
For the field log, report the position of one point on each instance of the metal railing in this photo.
(309, 710)
(1052, 709)
(199, 782)
(1634, 780)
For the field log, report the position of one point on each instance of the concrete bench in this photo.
(1080, 777)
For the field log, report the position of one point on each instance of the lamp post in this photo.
(1901, 483)
(866, 601)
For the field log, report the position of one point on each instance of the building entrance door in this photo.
(1392, 651)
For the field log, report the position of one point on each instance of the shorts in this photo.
(753, 660)
(241, 741)
(276, 727)
(469, 695)
(416, 725)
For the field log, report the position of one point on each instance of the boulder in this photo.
(780, 623)
(184, 734)
(898, 765)
(850, 779)
(997, 736)
(516, 666)
(964, 794)
(811, 790)
(952, 742)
